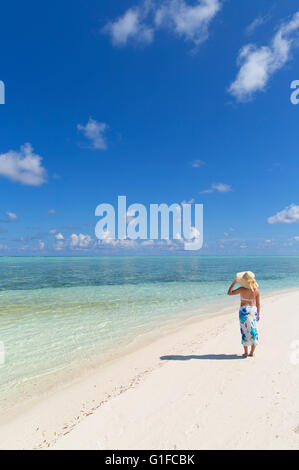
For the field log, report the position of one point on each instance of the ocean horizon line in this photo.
(147, 256)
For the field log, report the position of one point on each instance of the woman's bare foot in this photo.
(245, 355)
(251, 355)
(252, 351)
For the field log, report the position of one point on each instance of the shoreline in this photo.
(72, 403)
(81, 370)
(128, 344)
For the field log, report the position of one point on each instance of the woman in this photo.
(249, 311)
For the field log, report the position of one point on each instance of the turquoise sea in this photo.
(57, 314)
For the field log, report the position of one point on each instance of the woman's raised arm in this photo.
(233, 292)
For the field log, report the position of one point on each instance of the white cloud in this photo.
(258, 64)
(80, 241)
(110, 242)
(52, 231)
(74, 242)
(175, 244)
(130, 26)
(94, 131)
(289, 215)
(256, 23)
(105, 235)
(195, 233)
(24, 166)
(188, 21)
(41, 244)
(140, 23)
(59, 236)
(206, 191)
(197, 163)
(218, 187)
(52, 211)
(222, 187)
(148, 243)
(12, 217)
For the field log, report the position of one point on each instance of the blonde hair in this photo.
(253, 285)
(247, 279)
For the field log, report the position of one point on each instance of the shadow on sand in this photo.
(213, 357)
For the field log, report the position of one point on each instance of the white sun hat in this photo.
(247, 279)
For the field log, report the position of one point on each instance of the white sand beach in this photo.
(187, 389)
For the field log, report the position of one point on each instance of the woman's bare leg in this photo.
(252, 351)
(245, 351)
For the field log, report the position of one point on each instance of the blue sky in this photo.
(165, 101)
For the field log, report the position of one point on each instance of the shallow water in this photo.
(56, 313)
